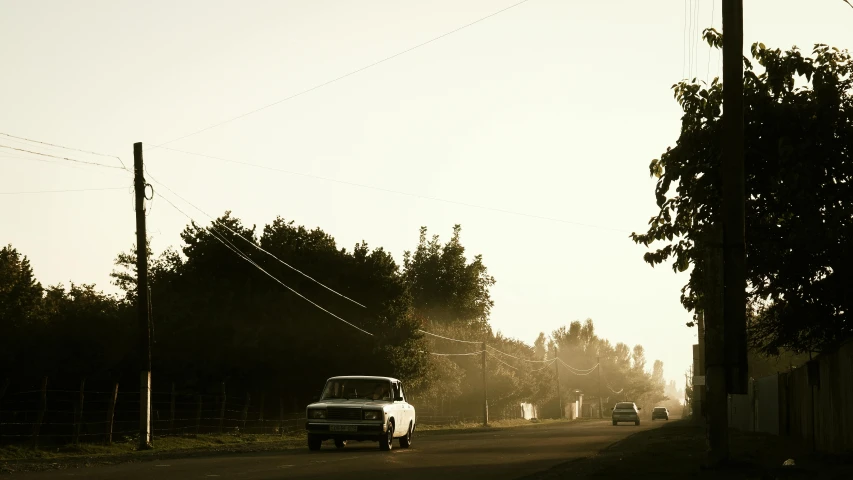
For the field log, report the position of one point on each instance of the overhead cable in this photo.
(399, 192)
(250, 242)
(245, 257)
(340, 77)
(66, 148)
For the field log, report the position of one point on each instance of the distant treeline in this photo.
(217, 317)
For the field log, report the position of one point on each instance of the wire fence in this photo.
(62, 417)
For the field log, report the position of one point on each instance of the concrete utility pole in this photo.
(557, 367)
(600, 411)
(485, 395)
(142, 305)
(734, 200)
(716, 409)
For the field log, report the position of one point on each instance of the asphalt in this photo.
(500, 454)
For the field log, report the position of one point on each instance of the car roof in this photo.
(362, 377)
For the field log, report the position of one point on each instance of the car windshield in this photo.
(660, 409)
(625, 405)
(350, 388)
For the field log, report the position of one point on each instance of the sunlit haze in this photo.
(551, 109)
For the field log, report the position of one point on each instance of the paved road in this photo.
(502, 454)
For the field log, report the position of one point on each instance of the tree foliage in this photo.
(798, 121)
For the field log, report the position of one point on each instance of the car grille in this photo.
(338, 413)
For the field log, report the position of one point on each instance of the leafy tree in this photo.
(799, 215)
(20, 301)
(445, 288)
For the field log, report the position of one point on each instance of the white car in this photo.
(361, 408)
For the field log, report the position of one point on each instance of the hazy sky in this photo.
(551, 108)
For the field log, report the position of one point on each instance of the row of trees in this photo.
(218, 317)
(798, 119)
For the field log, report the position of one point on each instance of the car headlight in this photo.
(316, 413)
(372, 414)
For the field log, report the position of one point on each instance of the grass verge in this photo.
(23, 458)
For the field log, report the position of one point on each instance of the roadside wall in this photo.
(813, 402)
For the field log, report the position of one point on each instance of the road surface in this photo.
(501, 454)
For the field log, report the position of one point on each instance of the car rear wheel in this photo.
(386, 443)
(406, 441)
(340, 443)
(314, 442)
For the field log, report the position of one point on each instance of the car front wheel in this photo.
(387, 442)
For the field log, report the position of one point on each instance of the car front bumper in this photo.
(346, 430)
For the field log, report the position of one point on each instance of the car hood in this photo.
(356, 402)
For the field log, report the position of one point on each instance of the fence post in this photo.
(42, 408)
(246, 410)
(3, 394)
(198, 417)
(222, 410)
(111, 414)
(261, 413)
(280, 416)
(172, 411)
(79, 417)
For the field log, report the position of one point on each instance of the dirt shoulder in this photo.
(677, 451)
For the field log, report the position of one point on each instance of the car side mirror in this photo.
(639, 408)
(398, 398)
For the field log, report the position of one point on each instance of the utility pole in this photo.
(485, 396)
(699, 390)
(600, 411)
(142, 302)
(734, 199)
(557, 367)
(716, 408)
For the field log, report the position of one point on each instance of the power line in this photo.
(398, 192)
(578, 371)
(64, 191)
(245, 257)
(453, 354)
(67, 148)
(342, 76)
(63, 158)
(708, 69)
(254, 244)
(501, 361)
(518, 358)
(448, 338)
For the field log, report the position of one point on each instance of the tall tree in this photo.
(446, 289)
(799, 187)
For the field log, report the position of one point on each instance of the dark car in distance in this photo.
(626, 412)
(660, 413)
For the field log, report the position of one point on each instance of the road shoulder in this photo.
(677, 450)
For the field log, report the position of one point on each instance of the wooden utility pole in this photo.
(600, 411)
(485, 395)
(142, 302)
(734, 199)
(557, 369)
(716, 409)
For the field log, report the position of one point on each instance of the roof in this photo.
(362, 377)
